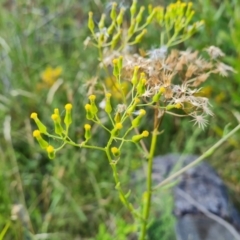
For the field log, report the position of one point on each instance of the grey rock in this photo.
(205, 188)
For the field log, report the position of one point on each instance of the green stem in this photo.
(118, 184)
(4, 231)
(149, 185)
(198, 160)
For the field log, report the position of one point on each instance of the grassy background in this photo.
(73, 197)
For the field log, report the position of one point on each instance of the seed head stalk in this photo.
(147, 202)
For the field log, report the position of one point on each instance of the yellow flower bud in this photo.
(57, 124)
(68, 115)
(171, 106)
(145, 133)
(92, 97)
(88, 109)
(116, 71)
(140, 14)
(54, 117)
(91, 22)
(136, 121)
(101, 24)
(118, 126)
(33, 115)
(117, 117)
(133, 8)
(116, 129)
(56, 111)
(51, 152)
(137, 138)
(157, 96)
(140, 36)
(120, 17)
(116, 39)
(42, 128)
(141, 88)
(94, 108)
(113, 13)
(134, 79)
(120, 62)
(115, 151)
(87, 134)
(108, 107)
(131, 29)
(37, 134)
(132, 108)
(111, 28)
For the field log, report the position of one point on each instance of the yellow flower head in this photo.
(36, 133)
(87, 127)
(33, 115)
(68, 106)
(114, 150)
(88, 107)
(142, 112)
(54, 117)
(145, 133)
(92, 97)
(50, 75)
(50, 149)
(119, 126)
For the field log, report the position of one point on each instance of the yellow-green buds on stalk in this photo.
(120, 17)
(120, 63)
(115, 68)
(116, 129)
(115, 151)
(189, 9)
(113, 13)
(136, 121)
(37, 134)
(87, 134)
(140, 14)
(177, 105)
(116, 38)
(111, 28)
(131, 29)
(140, 36)
(134, 79)
(42, 128)
(57, 124)
(108, 106)
(117, 117)
(101, 24)
(141, 85)
(88, 109)
(132, 108)
(94, 108)
(51, 152)
(138, 137)
(151, 16)
(56, 111)
(68, 115)
(160, 14)
(133, 8)
(90, 22)
(157, 96)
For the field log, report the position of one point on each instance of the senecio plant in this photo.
(160, 81)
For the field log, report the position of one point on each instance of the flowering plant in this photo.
(160, 80)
